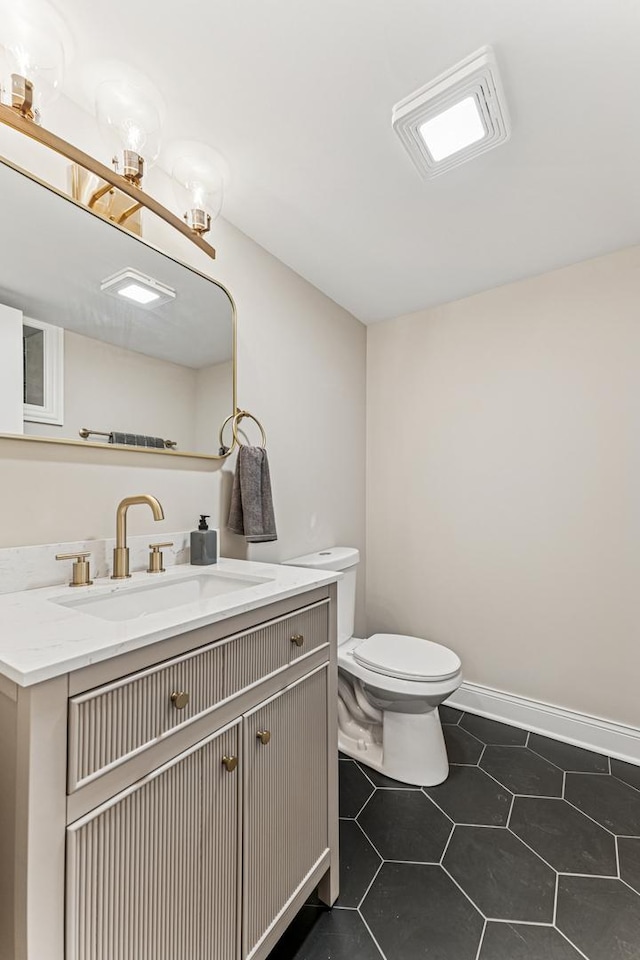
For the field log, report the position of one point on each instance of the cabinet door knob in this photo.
(230, 763)
(180, 699)
(298, 639)
(263, 736)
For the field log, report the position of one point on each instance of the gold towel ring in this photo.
(235, 422)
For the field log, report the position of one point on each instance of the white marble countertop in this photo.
(42, 638)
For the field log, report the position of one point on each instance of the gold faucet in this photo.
(121, 552)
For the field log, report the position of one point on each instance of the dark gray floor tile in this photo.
(318, 934)
(462, 747)
(612, 803)
(564, 837)
(568, 757)
(358, 864)
(381, 780)
(501, 875)
(416, 912)
(470, 796)
(522, 771)
(628, 772)
(520, 941)
(449, 714)
(601, 917)
(491, 731)
(355, 789)
(629, 854)
(405, 825)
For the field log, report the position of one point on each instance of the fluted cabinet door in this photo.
(153, 873)
(286, 828)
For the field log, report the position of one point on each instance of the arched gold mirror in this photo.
(104, 338)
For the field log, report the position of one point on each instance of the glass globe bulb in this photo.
(199, 189)
(32, 58)
(131, 126)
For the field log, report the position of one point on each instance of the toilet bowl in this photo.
(389, 688)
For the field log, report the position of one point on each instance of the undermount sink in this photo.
(130, 602)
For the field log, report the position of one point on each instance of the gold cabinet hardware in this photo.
(298, 639)
(263, 736)
(230, 763)
(156, 563)
(81, 571)
(180, 698)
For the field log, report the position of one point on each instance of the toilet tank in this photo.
(345, 560)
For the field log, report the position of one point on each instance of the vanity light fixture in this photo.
(457, 116)
(32, 56)
(198, 185)
(130, 123)
(138, 288)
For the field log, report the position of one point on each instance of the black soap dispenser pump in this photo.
(204, 544)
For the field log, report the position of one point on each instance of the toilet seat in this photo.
(407, 658)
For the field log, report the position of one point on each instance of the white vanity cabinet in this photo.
(179, 801)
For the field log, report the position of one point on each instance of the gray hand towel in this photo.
(251, 514)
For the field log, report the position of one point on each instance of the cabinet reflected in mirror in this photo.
(100, 331)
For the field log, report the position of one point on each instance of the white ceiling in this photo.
(297, 96)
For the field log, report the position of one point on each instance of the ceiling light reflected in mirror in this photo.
(135, 286)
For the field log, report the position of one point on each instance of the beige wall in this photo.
(108, 388)
(301, 370)
(504, 484)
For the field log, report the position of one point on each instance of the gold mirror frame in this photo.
(13, 119)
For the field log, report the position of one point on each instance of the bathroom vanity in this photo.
(169, 763)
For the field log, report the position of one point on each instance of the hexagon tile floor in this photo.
(529, 851)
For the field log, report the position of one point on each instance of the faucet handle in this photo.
(81, 570)
(155, 557)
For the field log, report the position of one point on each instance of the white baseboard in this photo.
(592, 733)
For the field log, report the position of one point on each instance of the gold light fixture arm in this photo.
(129, 212)
(98, 194)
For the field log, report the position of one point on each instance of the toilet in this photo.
(389, 688)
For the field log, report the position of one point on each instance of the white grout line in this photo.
(481, 754)
(484, 930)
(462, 890)
(588, 876)
(446, 846)
(417, 863)
(513, 800)
(527, 923)
(368, 838)
(365, 774)
(615, 840)
(364, 805)
(437, 806)
(371, 935)
(577, 949)
(364, 895)
(606, 829)
(564, 783)
(555, 898)
(633, 889)
(514, 834)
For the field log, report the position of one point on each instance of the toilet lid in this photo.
(410, 658)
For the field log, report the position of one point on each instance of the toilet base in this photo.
(412, 748)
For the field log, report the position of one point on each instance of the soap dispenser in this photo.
(204, 544)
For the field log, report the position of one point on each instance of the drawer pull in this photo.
(298, 639)
(263, 736)
(179, 699)
(230, 763)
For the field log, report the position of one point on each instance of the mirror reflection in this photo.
(102, 336)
